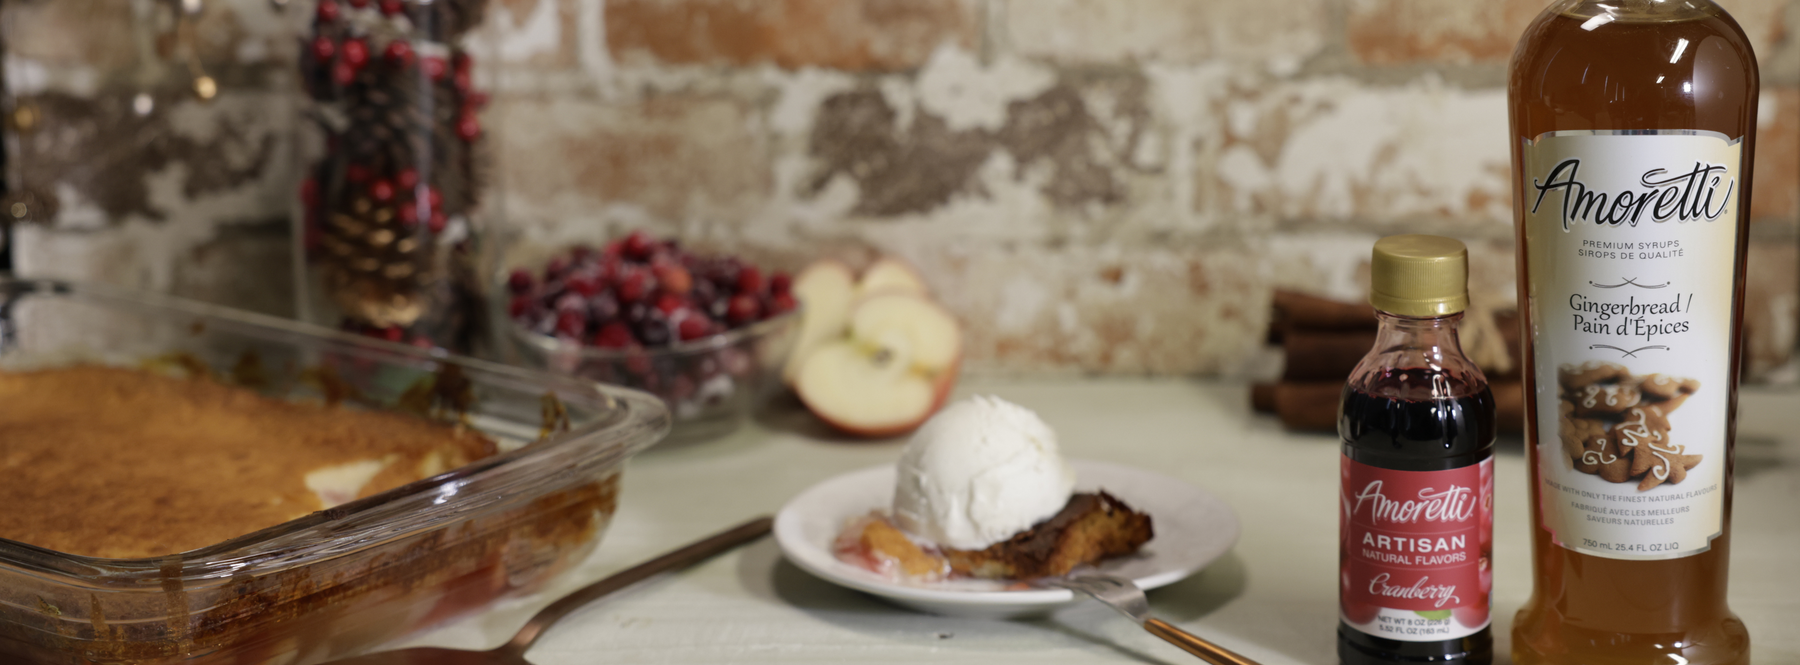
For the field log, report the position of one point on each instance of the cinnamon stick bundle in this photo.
(1313, 405)
(1323, 340)
(1313, 355)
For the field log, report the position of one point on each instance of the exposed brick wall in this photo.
(1092, 185)
(846, 35)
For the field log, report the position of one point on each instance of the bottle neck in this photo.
(1418, 358)
(1433, 336)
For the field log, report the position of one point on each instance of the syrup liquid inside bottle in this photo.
(1582, 66)
(1417, 404)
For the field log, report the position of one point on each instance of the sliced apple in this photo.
(890, 275)
(908, 324)
(892, 372)
(825, 289)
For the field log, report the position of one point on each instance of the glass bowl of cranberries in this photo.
(707, 334)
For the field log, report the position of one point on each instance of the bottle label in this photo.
(1415, 551)
(1632, 239)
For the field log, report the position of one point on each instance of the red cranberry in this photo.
(633, 287)
(407, 179)
(586, 284)
(571, 302)
(674, 278)
(555, 268)
(638, 245)
(613, 335)
(669, 304)
(604, 307)
(468, 127)
(382, 191)
(343, 73)
(518, 306)
(475, 99)
(323, 48)
(433, 199)
(393, 333)
(781, 303)
(437, 222)
(328, 11)
(743, 309)
(749, 280)
(408, 214)
(392, 7)
(571, 324)
(399, 53)
(694, 327)
(435, 67)
(356, 52)
(356, 173)
(519, 281)
(780, 282)
(703, 293)
(461, 80)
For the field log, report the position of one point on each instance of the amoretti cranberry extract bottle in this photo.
(1633, 129)
(1417, 501)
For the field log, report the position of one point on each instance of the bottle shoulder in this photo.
(1571, 72)
(1638, 10)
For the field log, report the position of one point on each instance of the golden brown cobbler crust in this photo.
(124, 463)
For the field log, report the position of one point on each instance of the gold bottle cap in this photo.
(1419, 275)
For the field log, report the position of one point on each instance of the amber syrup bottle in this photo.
(1633, 129)
(1416, 522)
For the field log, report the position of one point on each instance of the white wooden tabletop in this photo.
(1273, 598)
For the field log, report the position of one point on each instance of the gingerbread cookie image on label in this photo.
(1616, 426)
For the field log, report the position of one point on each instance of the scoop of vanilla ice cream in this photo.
(979, 471)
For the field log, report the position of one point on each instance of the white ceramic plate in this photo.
(1193, 528)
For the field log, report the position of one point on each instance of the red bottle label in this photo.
(1415, 549)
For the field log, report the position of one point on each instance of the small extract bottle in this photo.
(1416, 522)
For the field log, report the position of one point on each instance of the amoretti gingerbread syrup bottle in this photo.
(1417, 514)
(1633, 128)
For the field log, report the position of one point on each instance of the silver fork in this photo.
(1122, 595)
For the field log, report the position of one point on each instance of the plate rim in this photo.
(791, 541)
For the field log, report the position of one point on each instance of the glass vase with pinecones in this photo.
(393, 160)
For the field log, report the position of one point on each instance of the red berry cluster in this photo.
(639, 292)
(346, 53)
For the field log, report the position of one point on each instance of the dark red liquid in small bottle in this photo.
(1417, 404)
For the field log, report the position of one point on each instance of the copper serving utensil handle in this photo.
(1207, 651)
(1123, 595)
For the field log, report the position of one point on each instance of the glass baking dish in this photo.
(339, 580)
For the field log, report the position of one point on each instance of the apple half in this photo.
(826, 288)
(892, 372)
(890, 275)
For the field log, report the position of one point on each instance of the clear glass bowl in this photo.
(710, 384)
(339, 580)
